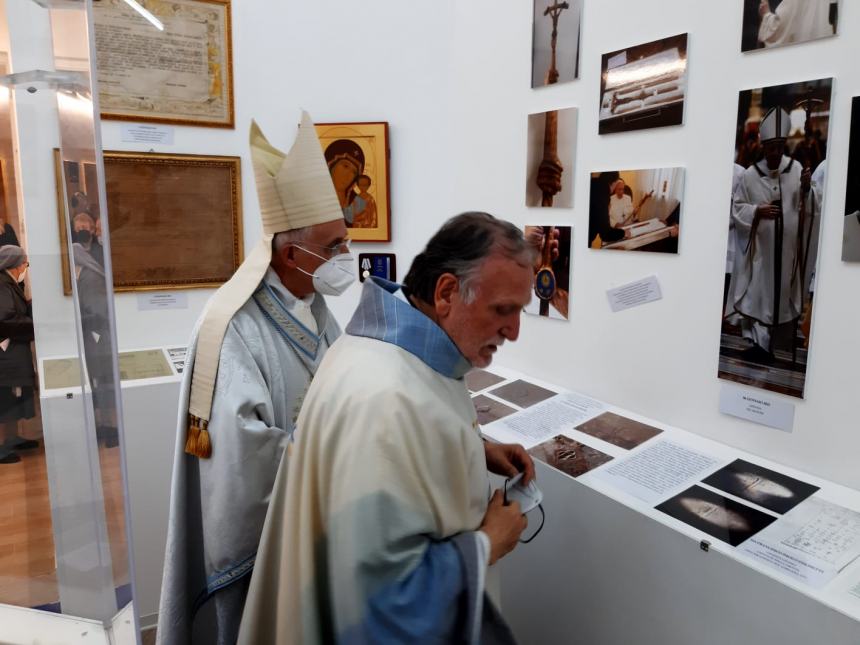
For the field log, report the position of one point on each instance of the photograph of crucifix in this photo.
(555, 42)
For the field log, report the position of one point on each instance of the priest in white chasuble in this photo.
(772, 215)
(382, 528)
(251, 359)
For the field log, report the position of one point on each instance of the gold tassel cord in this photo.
(197, 441)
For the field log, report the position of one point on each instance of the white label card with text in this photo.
(140, 133)
(150, 301)
(757, 407)
(634, 294)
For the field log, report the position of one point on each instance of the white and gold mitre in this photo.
(295, 191)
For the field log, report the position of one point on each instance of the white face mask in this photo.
(333, 276)
(21, 276)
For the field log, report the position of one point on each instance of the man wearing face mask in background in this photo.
(92, 295)
(17, 378)
(250, 361)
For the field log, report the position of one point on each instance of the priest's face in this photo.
(487, 314)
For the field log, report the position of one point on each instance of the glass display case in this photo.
(66, 566)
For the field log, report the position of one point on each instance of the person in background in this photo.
(17, 376)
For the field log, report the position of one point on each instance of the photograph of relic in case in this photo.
(619, 431)
(777, 204)
(478, 379)
(555, 41)
(551, 288)
(522, 393)
(774, 23)
(718, 516)
(636, 210)
(761, 486)
(569, 456)
(489, 410)
(550, 158)
(644, 86)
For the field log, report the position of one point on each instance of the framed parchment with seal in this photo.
(175, 220)
(182, 74)
(357, 157)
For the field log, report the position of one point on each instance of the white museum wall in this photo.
(660, 360)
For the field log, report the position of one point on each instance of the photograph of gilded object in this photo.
(636, 210)
(551, 289)
(555, 41)
(761, 486)
(774, 23)
(522, 393)
(644, 86)
(851, 223)
(357, 157)
(489, 410)
(478, 379)
(550, 158)
(569, 456)
(777, 205)
(619, 431)
(718, 516)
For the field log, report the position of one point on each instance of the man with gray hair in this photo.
(250, 361)
(383, 526)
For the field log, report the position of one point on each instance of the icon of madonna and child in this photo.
(346, 162)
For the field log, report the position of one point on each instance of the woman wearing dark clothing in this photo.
(7, 234)
(17, 376)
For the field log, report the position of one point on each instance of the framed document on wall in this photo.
(181, 75)
(357, 157)
(175, 220)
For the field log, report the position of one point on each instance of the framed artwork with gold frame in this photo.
(357, 155)
(175, 220)
(181, 75)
